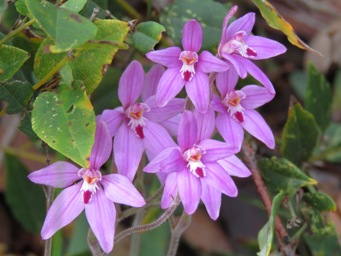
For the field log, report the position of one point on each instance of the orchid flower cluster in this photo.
(195, 167)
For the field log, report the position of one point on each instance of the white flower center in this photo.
(237, 44)
(89, 186)
(193, 156)
(232, 102)
(137, 120)
(188, 59)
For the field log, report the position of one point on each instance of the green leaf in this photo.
(266, 234)
(78, 245)
(66, 122)
(26, 127)
(210, 14)
(74, 5)
(317, 100)
(320, 201)
(300, 134)
(11, 59)
(155, 241)
(147, 35)
(21, 7)
(16, 94)
(68, 29)
(25, 199)
(282, 175)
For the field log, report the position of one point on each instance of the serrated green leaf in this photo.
(25, 199)
(210, 14)
(320, 201)
(68, 29)
(147, 35)
(16, 94)
(300, 134)
(282, 175)
(11, 59)
(74, 5)
(66, 122)
(318, 97)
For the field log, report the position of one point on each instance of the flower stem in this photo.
(17, 30)
(129, 9)
(181, 226)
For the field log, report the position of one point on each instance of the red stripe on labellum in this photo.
(139, 131)
(239, 116)
(87, 196)
(200, 172)
(187, 76)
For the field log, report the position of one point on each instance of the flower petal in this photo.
(128, 149)
(169, 86)
(192, 36)
(257, 127)
(227, 18)
(234, 166)
(188, 130)
(216, 150)
(198, 90)
(205, 123)
(244, 23)
(217, 105)
(169, 192)
(189, 188)
(227, 81)
(212, 200)
(58, 175)
(130, 84)
(113, 118)
(256, 96)
(65, 208)
(151, 82)
(102, 147)
(168, 57)
(156, 139)
(208, 63)
(172, 125)
(119, 189)
(264, 47)
(231, 131)
(101, 215)
(236, 61)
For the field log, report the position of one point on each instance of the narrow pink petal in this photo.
(264, 47)
(212, 200)
(227, 18)
(192, 36)
(119, 189)
(198, 91)
(244, 23)
(151, 81)
(189, 188)
(169, 160)
(156, 139)
(101, 149)
(257, 127)
(128, 149)
(113, 118)
(208, 63)
(217, 105)
(227, 81)
(130, 84)
(231, 131)
(65, 208)
(169, 86)
(169, 192)
(158, 115)
(256, 96)
(101, 215)
(58, 175)
(168, 57)
(188, 130)
(216, 150)
(234, 166)
(205, 123)
(235, 60)
(219, 179)
(172, 125)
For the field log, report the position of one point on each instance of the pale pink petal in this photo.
(256, 96)
(192, 36)
(58, 175)
(172, 125)
(101, 149)
(169, 192)
(189, 187)
(188, 130)
(235, 60)
(244, 23)
(231, 131)
(169, 86)
(156, 139)
(257, 127)
(101, 215)
(113, 118)
(151, 81)
(130, 84)
(227, 81)
(208, 63)
(219, 179)
(264, 47)
(234, 166)
(128, 149)
(198, 90)
(119, 189)
(212, 200)
(205, 123)
(168, 57)
(216, 150)
(65, 208)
